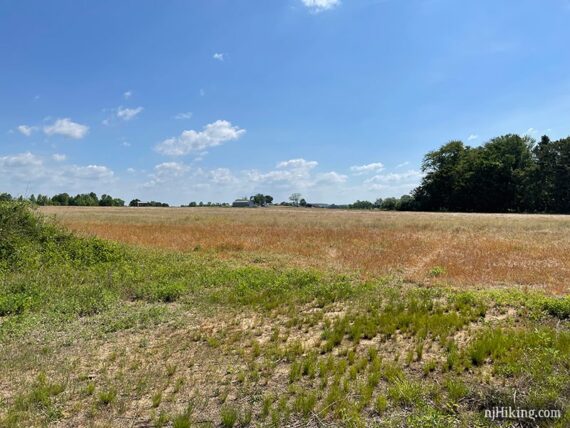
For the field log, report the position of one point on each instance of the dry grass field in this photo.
(458, 249)
(281, 317)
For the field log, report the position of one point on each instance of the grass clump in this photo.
(229, 416)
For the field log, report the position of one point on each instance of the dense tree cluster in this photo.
(508, 174)
(404, 203)
(80, 200)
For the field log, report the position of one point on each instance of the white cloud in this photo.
(365, 169)
(531, 131)
(392, 180)
(126, 144)
(218, 56)
(182, 116)
(222, 176)
(128, 113)
(21, 160)
(26, 130)
(90, 172)
(320, 5)
(67, 128)
(472, 137)
(298, 164)
(127, 94)
(331, 177)
(175, 169)
(295, 172)
(212, 135)
(51, 174)
(403, 164)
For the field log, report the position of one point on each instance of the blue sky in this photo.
(339, 100)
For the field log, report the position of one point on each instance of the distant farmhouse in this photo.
(243, 203)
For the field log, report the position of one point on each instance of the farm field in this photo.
(280, 317)
(480, 250)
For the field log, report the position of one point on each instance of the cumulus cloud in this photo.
(218, 56)
(320, 5)
(331, 177)
(67, 128)
(297, 164)
(51, 174)
(408, 179)
(171, 169)
(90, 172)
(472, 137)
(365, 169)
(26, 130)
(20, 160)
(212, 135)
(222, 176)
(128, 113)
(182, 116)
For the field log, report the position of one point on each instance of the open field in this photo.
(281, 317)
(458, 249)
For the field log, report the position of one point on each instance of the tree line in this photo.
(507, 174)
(510, 173)
(64, 199)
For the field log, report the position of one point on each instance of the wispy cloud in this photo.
(365, 169)
(128, 113)
(320, 5)
(127, 94)
(472, 137)
(218, 56)
(183, 116)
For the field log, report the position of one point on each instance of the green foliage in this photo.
(508, 173)
(107, 397)
(229, 416)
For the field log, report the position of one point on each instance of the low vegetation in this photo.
(96, 333)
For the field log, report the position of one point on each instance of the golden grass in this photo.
(471, 249)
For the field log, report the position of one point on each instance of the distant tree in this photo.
(61, 199)
(43, 200)
(134, 203)
(295, 198)
(258, 199)
(192, 204)
(389, 204)
(268, 199)
(406, 203)
(361, 205)
(303, 203)
(106, 201)
(5, 197)
(378, 203)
